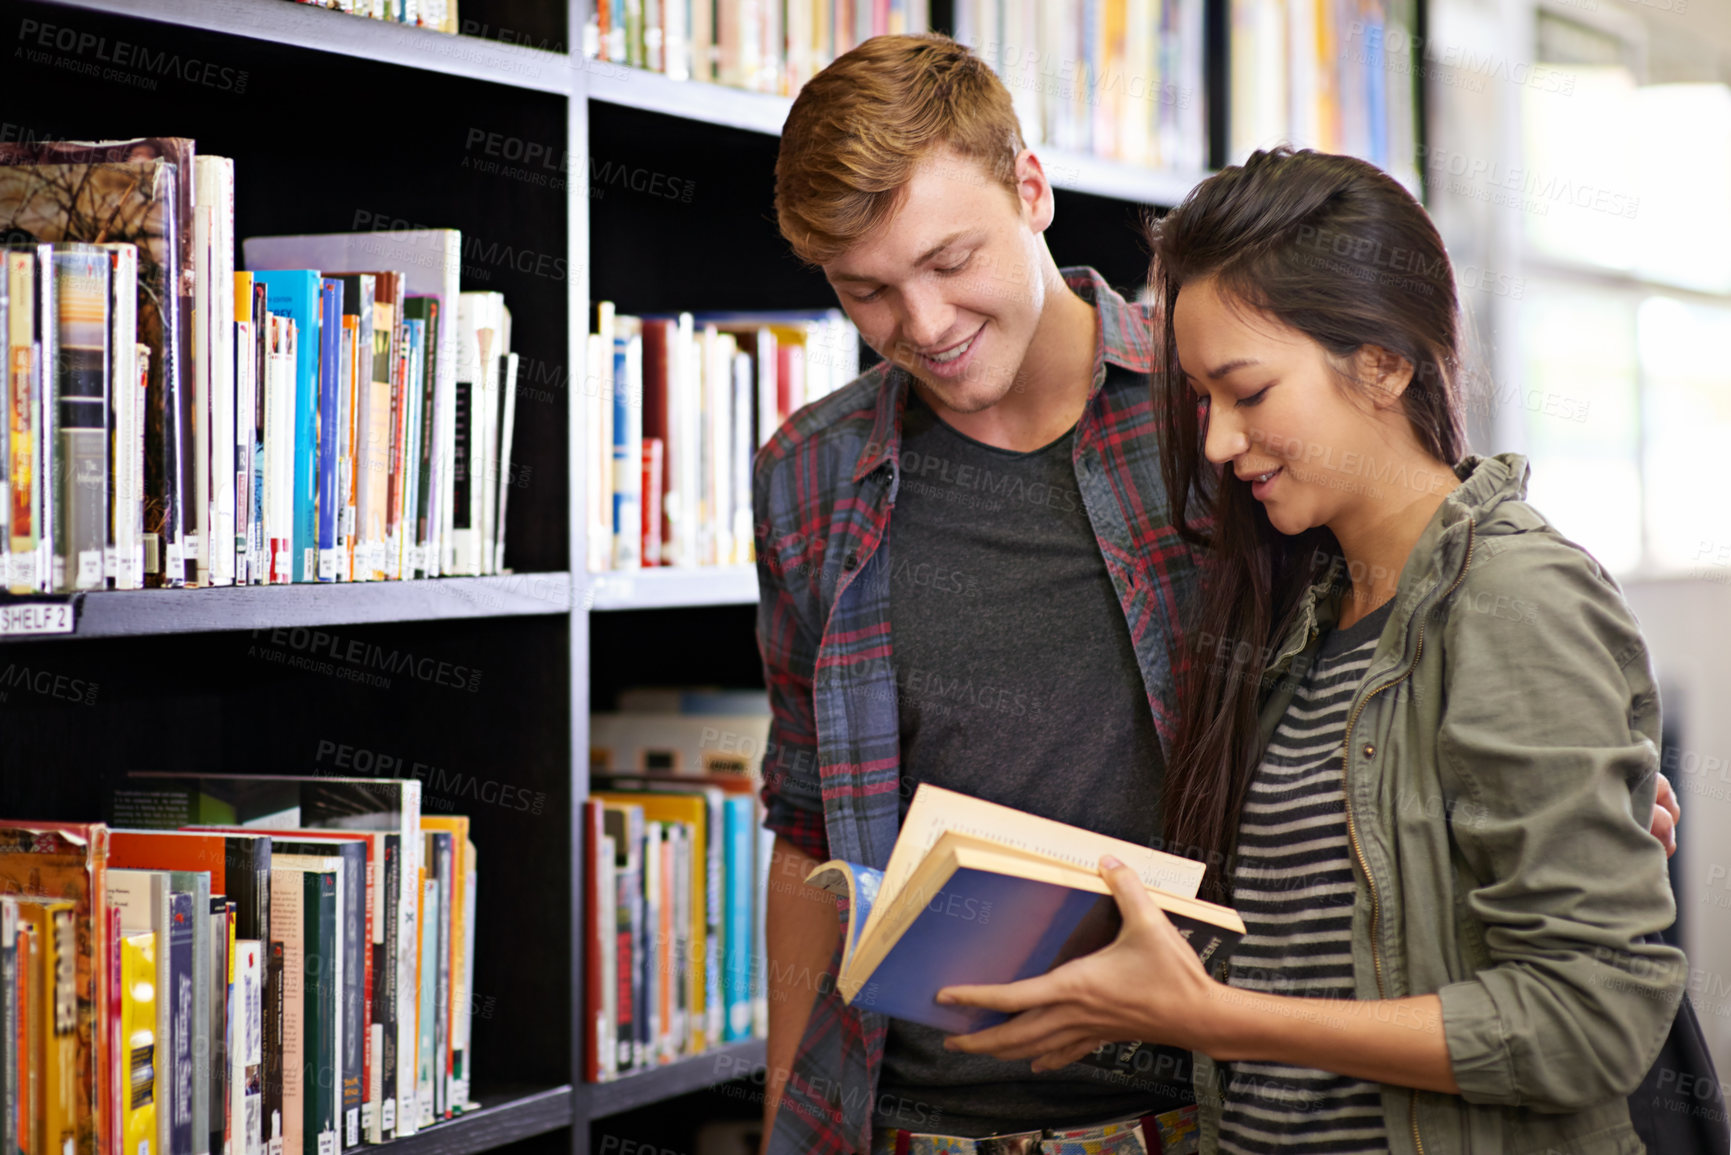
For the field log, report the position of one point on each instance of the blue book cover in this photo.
(740, 872)
(330, 377)
(295, 293)
(978, 912)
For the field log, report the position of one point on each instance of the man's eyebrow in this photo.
(959, 234)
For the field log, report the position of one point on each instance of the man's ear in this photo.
(1385, 371)
(1034, 191)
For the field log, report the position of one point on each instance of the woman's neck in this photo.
(1377, 539)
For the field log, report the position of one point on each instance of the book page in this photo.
(935, 811)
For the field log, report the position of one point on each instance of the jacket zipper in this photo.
(1352, 827)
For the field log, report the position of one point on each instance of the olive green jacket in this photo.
(1500, 763)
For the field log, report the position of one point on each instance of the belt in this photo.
(1169, 1133)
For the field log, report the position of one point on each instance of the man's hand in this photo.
(1667, 812)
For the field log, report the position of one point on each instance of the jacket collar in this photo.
(1486, 484)
(1126, 339)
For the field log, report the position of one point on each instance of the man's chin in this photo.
(962, 396)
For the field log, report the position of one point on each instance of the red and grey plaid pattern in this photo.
(822, 495)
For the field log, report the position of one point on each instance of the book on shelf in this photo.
(138, 1035)
(1118, 79)
(1318, 74)
(276, 970)
(710, 389)
(439, 15)
(170, 425)
(975, 892)
(742, 43)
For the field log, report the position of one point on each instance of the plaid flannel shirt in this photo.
(823, 491)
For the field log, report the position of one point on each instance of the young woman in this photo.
(1418, 725)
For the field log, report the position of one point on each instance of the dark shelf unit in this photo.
(508, 1115)
(472, 684)
(693, 1073)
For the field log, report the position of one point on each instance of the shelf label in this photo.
(36, 618)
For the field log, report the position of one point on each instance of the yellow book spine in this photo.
(138, 1042)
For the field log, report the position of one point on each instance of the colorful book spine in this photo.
(329, 443)
(179, 1061)
(245, 338)
(322, 986)
(740, 872)
(627, 449)
(123, 558)
(80, 417)
(138, 1048)
(246, 1048)
(426, 980)
(294, 293)
(429, 474)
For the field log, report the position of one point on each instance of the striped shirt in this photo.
(1295, 884)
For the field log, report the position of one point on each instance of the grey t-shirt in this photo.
(1016, 682)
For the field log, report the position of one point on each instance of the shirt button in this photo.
(851, 561)
(1369, 750)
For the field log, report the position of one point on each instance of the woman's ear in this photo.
(1385, 371)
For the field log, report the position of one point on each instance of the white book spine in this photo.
(246, 1048)
(288, 926)
(196, 532)
(217, 176)
(508, 416)
(598, 460)
(125, 507)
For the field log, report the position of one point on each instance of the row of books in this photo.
(676, 867)
(1336, 75)
(675, 410)
(236, 966)
(1120, 79)
(762, 45)
(439, 15)
(340, 412)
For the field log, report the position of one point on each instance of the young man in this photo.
(1011, 636)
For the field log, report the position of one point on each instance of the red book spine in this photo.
(654, 485)
(594, 942)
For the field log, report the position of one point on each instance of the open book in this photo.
(975, 892)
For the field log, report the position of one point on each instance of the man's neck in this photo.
(1052, 384)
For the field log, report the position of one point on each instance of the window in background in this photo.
(1624, 390)
(1579, 405)
(1686, 422)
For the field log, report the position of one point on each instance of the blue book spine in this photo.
(180, 940)
(741, 870)
(330, 359)
(627, 468)
(1376, 92)
(408, 527)
(295, 292)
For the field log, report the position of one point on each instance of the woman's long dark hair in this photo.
(1335, 248)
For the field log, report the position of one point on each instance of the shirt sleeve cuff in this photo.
(1478, 1053)
(803, 828)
